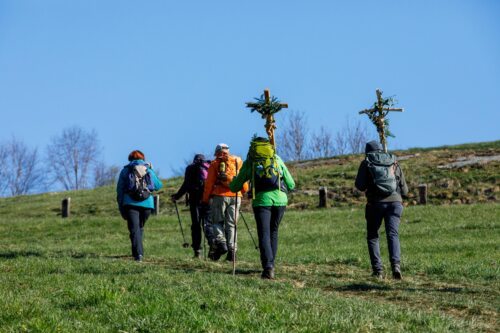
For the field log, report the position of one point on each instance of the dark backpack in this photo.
(266, 174)
(139, 182)
(382, 167)
(198, 175)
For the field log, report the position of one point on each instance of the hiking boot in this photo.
(268, 274)
(230, 255)
(213, 254)
(221, 249)
(396, 272)
(216, 251)
(379, 275)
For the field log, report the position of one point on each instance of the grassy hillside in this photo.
(76, 275)
(458, 185)
(478, 183)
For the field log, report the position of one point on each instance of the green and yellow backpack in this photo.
(266, 174)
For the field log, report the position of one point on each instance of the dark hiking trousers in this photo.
(200, 215)
(268, 219)
(136, 218)
(390, 212)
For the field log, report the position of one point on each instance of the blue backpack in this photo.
(139, 183)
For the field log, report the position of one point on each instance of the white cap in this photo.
(219, 147)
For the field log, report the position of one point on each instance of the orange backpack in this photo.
(226, 170)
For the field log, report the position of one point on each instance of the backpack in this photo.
(198, 176)
(266, 173)
(139, 185)
(382, 168)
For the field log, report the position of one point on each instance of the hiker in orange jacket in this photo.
(223, 202)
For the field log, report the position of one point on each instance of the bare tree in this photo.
(3, 168)
(292, 144)
(351, 138)
(357, 136)
(19, 170)
(341, 147)
(322, 143)
(105, 175)
(179, 171)
(71, 157)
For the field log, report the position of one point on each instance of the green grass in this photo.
(75, 275)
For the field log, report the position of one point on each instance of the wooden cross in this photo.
(377, 115)
(263, 109)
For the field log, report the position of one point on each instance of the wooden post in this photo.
(66, 207)
(322, 197)
(422, 192)
(156, 199)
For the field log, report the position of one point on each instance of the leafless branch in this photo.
(19, 170)
(293, 132)
(105, 175)
(322, 143)
(71, 156)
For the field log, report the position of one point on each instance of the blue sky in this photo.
(172, 78)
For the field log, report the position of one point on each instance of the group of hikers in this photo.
(214, 191)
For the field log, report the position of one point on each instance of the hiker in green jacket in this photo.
(270, 181)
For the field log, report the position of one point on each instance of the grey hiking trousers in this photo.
(223, 222)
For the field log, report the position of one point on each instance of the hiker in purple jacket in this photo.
(193, 185)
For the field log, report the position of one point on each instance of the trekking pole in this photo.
(185, 244)
(203, 236)
(253, 240)
(235, 223)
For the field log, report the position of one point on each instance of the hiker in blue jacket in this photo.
(133, 193)
(381, 177)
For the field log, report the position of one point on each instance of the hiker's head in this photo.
(136, 155)
(221, 150)
(373, 146)
(199, 158)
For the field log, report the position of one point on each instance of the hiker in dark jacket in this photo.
(382, 178)
(133, 209)
(194, 182)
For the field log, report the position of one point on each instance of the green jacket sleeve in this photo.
(287, 177)
(242, 177)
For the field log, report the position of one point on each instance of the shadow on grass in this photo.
(17, 254)
(363, 287)
(354, 287)
(87, 255)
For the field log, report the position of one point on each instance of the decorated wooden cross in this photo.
(377, 115)
(267, 106)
